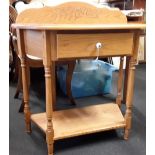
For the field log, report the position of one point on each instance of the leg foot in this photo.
(50, 149)
(27, 118)
(28, 128)
(126, 134)
(50, 141)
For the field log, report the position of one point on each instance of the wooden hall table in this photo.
(73, 31)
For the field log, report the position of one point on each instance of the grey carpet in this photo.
(104, 143)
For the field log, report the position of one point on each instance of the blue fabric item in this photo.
(90, 77)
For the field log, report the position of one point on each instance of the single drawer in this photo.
(84, 45)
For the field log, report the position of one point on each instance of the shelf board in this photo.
(81, 121)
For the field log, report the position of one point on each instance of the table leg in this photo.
(129, 97)
(49, 67)
(24, 65)
(49, 131)
(21, 109)
(132, 61)
(26, 94)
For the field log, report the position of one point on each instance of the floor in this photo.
(104, 143)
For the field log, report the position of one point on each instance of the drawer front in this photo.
(84, 45)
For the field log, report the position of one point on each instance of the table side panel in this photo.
(34, 43)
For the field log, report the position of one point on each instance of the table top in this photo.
(80, 26)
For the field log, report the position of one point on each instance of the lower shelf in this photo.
(81, 121)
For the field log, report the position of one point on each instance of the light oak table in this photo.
(71, 31)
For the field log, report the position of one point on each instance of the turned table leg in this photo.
(49, 67)
(49, 96)
(129, 96)
(26, 94)
(23, 59)
(131, 63)
(21, 109)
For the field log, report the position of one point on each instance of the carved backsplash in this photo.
(72, 13)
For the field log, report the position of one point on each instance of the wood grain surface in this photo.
(84, 45)
(72, 12)
(80, 121)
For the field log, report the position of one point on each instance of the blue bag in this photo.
(90, 77)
